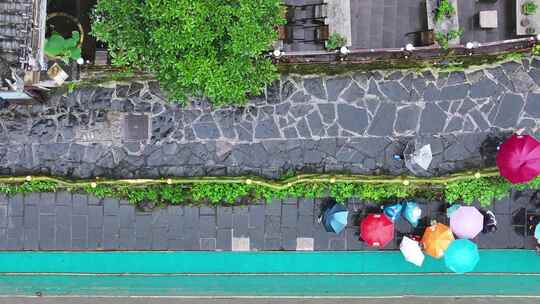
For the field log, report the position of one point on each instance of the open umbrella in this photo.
(461, 256)
(418, 158)
(466, 222)
(518, 158)
(411, 251)
(377, 230)
(335, 218)
(436, 239)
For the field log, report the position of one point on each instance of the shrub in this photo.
(205, 48)
(335, 41)
(443, 38)
(444, 10)
(529, 8)
(466, 190)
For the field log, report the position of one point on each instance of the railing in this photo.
(360, 56)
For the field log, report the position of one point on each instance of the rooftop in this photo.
(378, 24)
(21, 37)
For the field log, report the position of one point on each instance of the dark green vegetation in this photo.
(195, 48)
(467, 187)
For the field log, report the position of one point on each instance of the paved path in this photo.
(393, 300)
(65, 221)
(404, 300)
(352, 123)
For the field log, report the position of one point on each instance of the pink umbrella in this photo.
(466, 222)
(518, 158)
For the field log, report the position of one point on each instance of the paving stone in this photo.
(315, 87)
(352, 118)
(335, 86)
(289, 216)
(430, 119)
(3, 239)
(394, 91)
(31, 239)
(532, 105)
(159, 239)
(47, 232)
(256, 216)
(353, 94)
(256, 239)
(272, 244)
(267, 129)
(338, 244)
(95, 216)
(383, 122)
(95, 238)
(272, 226)
(407, 119)
(143, 226)
(431, 93)
(483, 88)
(455, 124)
(4, 216)
(454, 92)
(143, 243)
(480, 120)
(509, 110)
(207, 225)
(224, 239)
(328, 112)
(126, 215)
(241, 244)
(289, 239)
(79, 229)
(127, 239)
(111, 206)
(111, 231)
(16, 205)
(15, 233)
(315, 124)
(208, 244)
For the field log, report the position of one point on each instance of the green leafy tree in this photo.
(211, 48)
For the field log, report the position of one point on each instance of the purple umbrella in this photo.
(466, 222)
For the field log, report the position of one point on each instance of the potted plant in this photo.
(444, 10)
(65, 36)
(335, 41)
(528, 8)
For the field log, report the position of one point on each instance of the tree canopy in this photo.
(212, 48)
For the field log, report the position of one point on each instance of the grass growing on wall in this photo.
(466, 187)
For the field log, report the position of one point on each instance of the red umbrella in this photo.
(518, 158)
(377, 230)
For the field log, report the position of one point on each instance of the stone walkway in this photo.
(352, 123)
(65, 221)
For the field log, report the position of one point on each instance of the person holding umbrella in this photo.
(518, 158)
(334, 217)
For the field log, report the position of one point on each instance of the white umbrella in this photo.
(411, 251)
(419, 157)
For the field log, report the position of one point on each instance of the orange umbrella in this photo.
(436, 239)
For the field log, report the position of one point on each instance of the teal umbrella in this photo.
(461, 256)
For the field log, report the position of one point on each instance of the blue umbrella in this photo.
(335, 218)
(537, 232)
